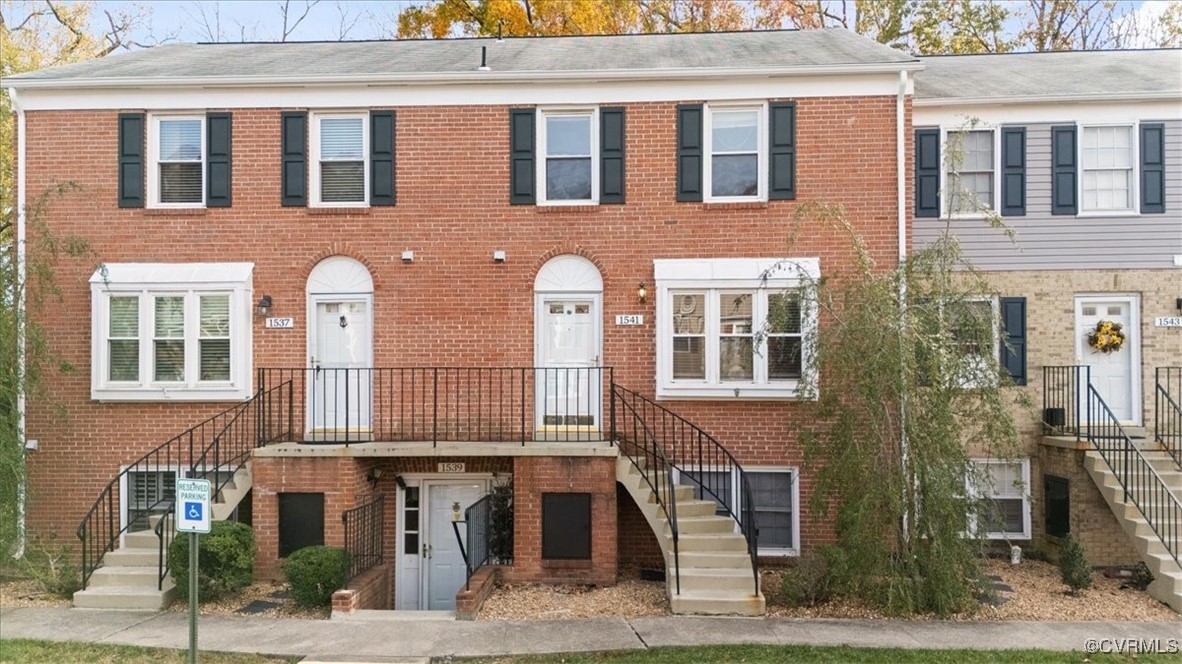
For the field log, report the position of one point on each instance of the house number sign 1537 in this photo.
(280, 323)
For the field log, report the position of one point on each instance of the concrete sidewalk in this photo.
(385, 640)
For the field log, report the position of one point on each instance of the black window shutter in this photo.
(1064, 172)
(218, 186)
(521, 156)
(131, 160)
(295, 159)
(381, 158)
(689, 152)
(1153, 168)
(1013, 347)
(611, 155)
(927, 172)
(1013, 171)
(782, 151)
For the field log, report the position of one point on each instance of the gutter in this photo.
(22, 488)
(901, 212)
(1047, 99)
(462, 77)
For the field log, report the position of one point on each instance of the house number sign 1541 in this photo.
(630, 319)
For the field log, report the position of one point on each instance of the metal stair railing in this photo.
(1140, 482)
(671, 443)
(1167, 411)
(365, 540)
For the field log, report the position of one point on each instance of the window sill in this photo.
(1006, 536)
(734, 205)
(548, 208)
(778, 553)
(1092, 214)
(338, 211)
(108, 394)
(566, 564)
(175, 212)
(745, 392)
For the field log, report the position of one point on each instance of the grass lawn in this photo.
(29, 650)
(759, 654)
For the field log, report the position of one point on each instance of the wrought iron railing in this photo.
(442, 404)
(364, 535)
(477, 521)
(1064, 398)
(211, 449)
(667, 449)
(1167, 410)
(1139, 480)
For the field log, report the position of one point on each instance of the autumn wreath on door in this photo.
(1107, 337)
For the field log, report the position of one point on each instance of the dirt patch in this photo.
(15, 592)
(1037, 594)
(262, 595)
(630, 598)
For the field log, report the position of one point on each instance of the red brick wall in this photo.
(638, 544)
(452, 305)
(533, 476)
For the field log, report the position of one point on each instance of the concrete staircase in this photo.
(1167, 574)
(716, 574)
(128, 576)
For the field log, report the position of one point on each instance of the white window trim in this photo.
(732, 274)
(995, 327)
(974, 492)
(761, 159)
(148, 280)
(540, 175)
(794, 472)
(1135, 188)
(946, 196)
(314, 161)
(153, 160)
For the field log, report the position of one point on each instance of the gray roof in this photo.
(656, 53)
(1063, 74)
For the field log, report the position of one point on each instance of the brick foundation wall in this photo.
(481, 585)
(638, 544)
(369, 591)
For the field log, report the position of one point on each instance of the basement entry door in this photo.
(340, 385)
(444, 570)
(1115, 374)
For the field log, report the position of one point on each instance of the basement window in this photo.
(774, 493)
(1002, 487)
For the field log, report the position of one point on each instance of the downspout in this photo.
(901, 213)
(22, 488)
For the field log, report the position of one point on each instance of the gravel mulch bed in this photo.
(630, 598)
(26, 592)
(268, 592)
(1038, 594)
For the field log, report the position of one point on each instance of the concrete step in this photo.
(132, 557)
(700, 578)
(716, 560)
(693, 508)
(141, 539)
(125, 598)
(119, 575)
(718, 602)
(709, 543)
(698, 525)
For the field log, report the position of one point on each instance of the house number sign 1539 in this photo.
(450, 467)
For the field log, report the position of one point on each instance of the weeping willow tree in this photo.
(905, 387)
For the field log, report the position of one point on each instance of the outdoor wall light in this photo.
(373, 476)
(400, 482)
(641, 294)
(408, 256)
(1178, 303)
(265, 306)
(499, 256)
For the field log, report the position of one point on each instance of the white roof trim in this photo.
(1046, 99)
(438, 78)
(134, 274)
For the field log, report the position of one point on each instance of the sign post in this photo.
(193, 517)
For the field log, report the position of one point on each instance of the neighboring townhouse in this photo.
(1081, 154)
(357, 284)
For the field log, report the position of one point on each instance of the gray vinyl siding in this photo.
(1047, 242)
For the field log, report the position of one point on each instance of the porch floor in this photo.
(585, 448)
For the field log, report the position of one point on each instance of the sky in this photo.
(260, 20)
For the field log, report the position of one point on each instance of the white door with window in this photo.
(569, 380)
(339, 392)
(1115, 374)
(444, 572)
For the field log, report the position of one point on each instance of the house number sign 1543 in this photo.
(1168, 321)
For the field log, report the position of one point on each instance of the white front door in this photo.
(340, 385)
(1115, 375)
(569, 381)
(445, 572)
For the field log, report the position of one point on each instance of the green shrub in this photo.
(52, 565)
(807, 583)
(225, 560)
(1073, 566)
(500, 527)
(315, 573)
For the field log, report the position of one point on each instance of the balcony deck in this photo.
(426, 448)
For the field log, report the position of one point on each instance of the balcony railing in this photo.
(1167, 410)
(1064, 399)
(440, 404)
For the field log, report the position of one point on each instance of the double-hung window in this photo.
(733, 328)
(176, 175)
(569, 172)
(736, 153)
(973, 324)
(171, 331)
(1107, 159)
(1001, 487)
(774, 497)
(340, 152)
(970, 171)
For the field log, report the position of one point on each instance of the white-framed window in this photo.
(340, 154)
(733, 328)
(171, 331)
(976, 337)
(176, 156)
(775, 495)
(1003, 487)
(569, 141)
(970, 171)
(735, 149)
(144, 493)
(1108, 168)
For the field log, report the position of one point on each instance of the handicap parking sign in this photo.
(192, 514)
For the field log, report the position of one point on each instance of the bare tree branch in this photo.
(285, 12)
